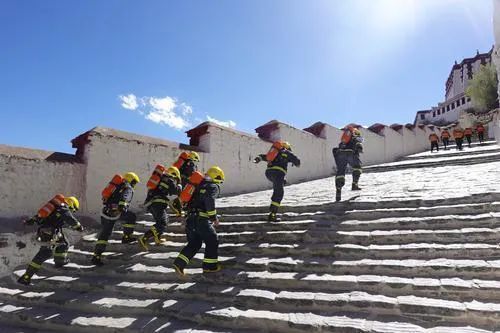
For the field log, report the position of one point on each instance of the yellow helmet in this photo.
(216, 174)
(173, 172)
(72, 203)
(194, 156)
(286, 145)
(131, 178)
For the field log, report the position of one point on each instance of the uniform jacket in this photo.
(166, 188)
(281, 161)
(203, 201)
(433, 137)
(355, 145)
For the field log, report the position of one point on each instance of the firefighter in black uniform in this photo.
(189, 166)
(200, 223)
(276, 173)
(347, 153)
(117, 208)
(157, 202)
(50, 234)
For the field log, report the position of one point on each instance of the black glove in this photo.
(297, 164)
(257, 159)
(31, 221)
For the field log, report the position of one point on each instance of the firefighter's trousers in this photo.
(344, 158)
(199, 230)
(107, 224)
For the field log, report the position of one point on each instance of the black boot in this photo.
(273, 214)
(96, 260)
(355, 187)
(25, 279)
(127, 239)
(338, 195)
(273, 217)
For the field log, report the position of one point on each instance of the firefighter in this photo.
(201, 222)
(157, 202)
(468, 135)
(458, 135)
(445, 138)
(480, 132)
(434, 139)
(117, 208)
(277, 160)
(347, 153)
(188, 166)
(50, 234)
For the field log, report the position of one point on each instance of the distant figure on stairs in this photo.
(445, 137)
(458, 135)
(434, 139)
(200, 222)
(277, 158)
(468, 135)
(50, 221)
(116, 199)
(347, 153)
(480, 132)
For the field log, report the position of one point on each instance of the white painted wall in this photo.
(26, 184)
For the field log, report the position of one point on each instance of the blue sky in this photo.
(160, 67)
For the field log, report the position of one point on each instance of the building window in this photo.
(458, 103)
(452, 106)
(463, 100)
(434, 113)
(422, 116)
(448, 107)
(439, 112)
(468, 99)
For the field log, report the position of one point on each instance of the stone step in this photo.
(483, 220)
(442, 236)
(137, 299)
(332, 251)
(438, 210)
(231, 227)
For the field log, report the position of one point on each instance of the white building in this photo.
(455, 99)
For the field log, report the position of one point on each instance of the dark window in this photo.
(434, 114)
(463, 100)
(452, 106)
(422, 116)
(468, 99)
(448, 107)
(458, 103)
(439, 112)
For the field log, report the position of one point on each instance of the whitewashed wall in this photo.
(28, 181)
(103, 152)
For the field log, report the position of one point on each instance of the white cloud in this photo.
(228, 123)
(161, 110)
(129, 101)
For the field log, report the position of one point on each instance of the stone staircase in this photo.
(393, 265)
